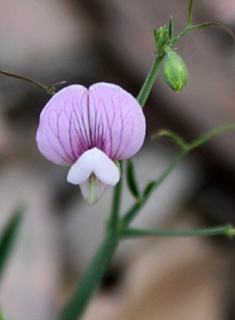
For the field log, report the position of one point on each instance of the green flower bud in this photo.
(175, 71)
(161, 38)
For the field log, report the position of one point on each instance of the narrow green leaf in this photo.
(77, 305)
(149, 189)
(171, 28)
(1, 316)
(8, 237)
(213, 231)
(131, 179)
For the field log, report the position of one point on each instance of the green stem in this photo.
(133, 211)
(116, 206)
(149, 82)
(208, 136)
(175, 39)
(200, 26)
(99, 264)
(91, 279)
(138, 233)
(186, 148)
(190, 13)
(177, 139)
(145, 91)
(215, 24)
(198, 141)
(170, 168)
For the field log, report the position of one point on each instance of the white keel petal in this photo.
(104, 168)
(93, 171)
(97, 162)
(81, 169)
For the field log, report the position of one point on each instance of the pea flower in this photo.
(89, 130)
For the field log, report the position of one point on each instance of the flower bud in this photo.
(175, 71)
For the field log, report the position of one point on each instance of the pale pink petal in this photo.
(76, 120)
(62, 134)
(117, 122)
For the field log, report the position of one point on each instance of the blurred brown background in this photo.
(110, 40)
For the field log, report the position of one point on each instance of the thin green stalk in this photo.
(190, 13)
(177, 139)
(133, 211)
(145, 92)
(166, 173)
(91, 279)
(210, 135)
(138, 233)
(175, 39)
(99, 264)
(215, 24)
(149, 82)
(116, 206)
(196, 142)
(200, 26)
(185, 149)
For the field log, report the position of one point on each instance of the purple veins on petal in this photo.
(77, 119)
(58, 135)
(120, 113)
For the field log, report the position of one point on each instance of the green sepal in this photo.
(161, 38)
(131, 179)
(175, 71)
(171, 28)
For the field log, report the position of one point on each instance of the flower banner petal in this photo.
(117, 122)
(62, 132)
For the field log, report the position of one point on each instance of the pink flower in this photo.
(90, 129)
